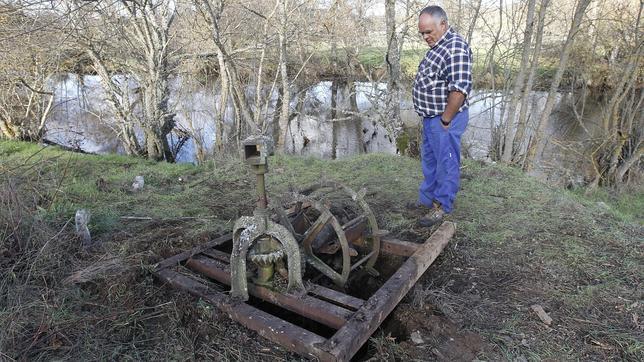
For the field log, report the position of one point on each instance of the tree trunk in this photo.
(129, 139)
(392, 59)
(223, 103)
(277, 129)
(228, 69)
(498, 131)
(240, 101)
(616, 155)
(282, 125)
(622, 130)
(490, 62)
(622, 145)
(334, 115)
(157, 147)
(519, 84)
(260, 122)
(146, 35)
(9, 130)
(475, 16)
(522, 122)
(118, 99)
(357, 120)
(157, 120)
(628, 163)
(535, 148)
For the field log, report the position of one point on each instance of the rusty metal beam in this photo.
(310, 307)
(335, 297)
(299, 223)
(218, 255)
(330, 295)
(290, 336)
(346, 341)
(354, 229)
(324, 293)
(361, 261)
(177, 259)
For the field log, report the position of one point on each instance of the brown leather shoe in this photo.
(434, 217)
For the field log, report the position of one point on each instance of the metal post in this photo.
(262, 202)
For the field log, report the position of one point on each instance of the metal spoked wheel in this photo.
(325, 232)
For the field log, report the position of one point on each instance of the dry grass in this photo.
(520, 243)
(58, 302)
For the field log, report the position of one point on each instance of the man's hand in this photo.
(454, 102)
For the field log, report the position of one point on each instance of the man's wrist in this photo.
(444, 122)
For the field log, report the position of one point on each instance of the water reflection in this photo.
(81, 118)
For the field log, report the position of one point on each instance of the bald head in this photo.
(432, 24)
(436, 12)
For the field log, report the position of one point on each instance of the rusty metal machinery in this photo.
(267, 241)
(281, 253)
(305, 233)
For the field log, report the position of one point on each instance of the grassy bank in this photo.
(373, 59)
(518, 243)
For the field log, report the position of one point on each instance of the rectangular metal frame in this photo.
(353, 319)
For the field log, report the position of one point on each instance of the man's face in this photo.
(430, 30)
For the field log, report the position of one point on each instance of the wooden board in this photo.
(398, 247)
(346, 342)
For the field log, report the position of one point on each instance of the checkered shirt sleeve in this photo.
(459, 71)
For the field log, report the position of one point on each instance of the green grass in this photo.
(373, 58)
(568, 253)
(627, 205)
(73, 180)
(519, 242)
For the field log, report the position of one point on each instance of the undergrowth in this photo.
(519, 242)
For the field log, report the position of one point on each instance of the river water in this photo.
(81, 119)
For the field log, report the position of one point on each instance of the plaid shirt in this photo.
(446, 67)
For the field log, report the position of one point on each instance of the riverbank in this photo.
(519, 243)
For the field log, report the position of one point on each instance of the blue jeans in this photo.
(441, 160)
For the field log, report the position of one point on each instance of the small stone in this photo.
(545, 318)
(416, 338)
(138, 184)
(82, 218)
(603, 205)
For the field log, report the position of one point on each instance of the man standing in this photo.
(441, 87)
